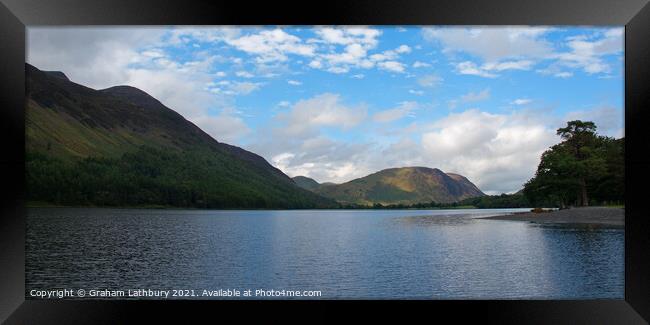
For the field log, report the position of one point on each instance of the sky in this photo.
(340, 102)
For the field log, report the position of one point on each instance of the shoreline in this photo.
(40, 205)
(585, 215)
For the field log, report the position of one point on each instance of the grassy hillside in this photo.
(408, 185)
(121, 147)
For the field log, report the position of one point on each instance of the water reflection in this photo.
(346, 254)
(435, 220)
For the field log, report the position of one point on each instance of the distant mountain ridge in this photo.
(306, 182)
(120, 146)
(406, 185)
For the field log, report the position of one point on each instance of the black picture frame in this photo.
(15, 15)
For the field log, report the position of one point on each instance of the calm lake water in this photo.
(357, 254)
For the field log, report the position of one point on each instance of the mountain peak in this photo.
(126, 90)
(132, 94)
(423, 169)
(57, 74)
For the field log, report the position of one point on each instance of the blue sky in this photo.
(336, 103)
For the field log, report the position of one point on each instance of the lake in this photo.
(351, 254)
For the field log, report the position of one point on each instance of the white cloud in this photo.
(153, 53)
(234, 88)
(403, 49)
(338, 70)
(322, 110)
(499, 153)
(556, 70)
(430, 81)
(493, 44)
(390, 54)
(321, 158)
(349, 48)
(520, 48)
(294, 82)
(244, 88)
(244, 74)
(416, 92)
(563, 74)
(521, 101)
(393, 66)
(470, 68)
(271, 45)
(470, 97)
(365, 37)
(487, 70)
(508, 65)
(587, 53)
(358, 76)
(185, 35)
(352, 55)
(389, 115)
(295, 140)
(418, 64)
(355, 42)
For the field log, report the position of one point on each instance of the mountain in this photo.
(407, 185)
(306, 182)
(468, 186)
(122, 147)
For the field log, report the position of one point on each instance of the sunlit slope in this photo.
(407, 185)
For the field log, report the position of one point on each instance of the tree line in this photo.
(516, 200)
(164, 178)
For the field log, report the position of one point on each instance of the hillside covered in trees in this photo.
(121, 147)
